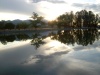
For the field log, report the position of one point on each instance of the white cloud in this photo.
(50, 9)
(12, 16)
(97, 1)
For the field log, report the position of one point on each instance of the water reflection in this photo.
(7, 38)
(37, 40)
(80, 36)
(22, 37)
(76, 36)
(4, 39)
(52, 58)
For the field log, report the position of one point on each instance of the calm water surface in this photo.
(63, 52)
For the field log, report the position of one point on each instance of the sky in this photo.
(49, 9)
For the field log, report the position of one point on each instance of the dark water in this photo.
(63, 52)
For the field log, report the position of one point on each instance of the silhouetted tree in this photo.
(71, 18)
(37, 20)
(66, 20)
(2, 24)
(86, 18)
(22, 25)
(9, 26)
(80, 19)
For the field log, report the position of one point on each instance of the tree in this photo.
(71, 17)
(9, 26)
(86, 18)
(34, 16)
(80, 19)
(66, 20)
(22, 25)
(2, 24)
(36, 21)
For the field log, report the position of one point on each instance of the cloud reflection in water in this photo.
(52, 59)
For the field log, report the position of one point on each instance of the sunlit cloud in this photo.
(50, 9)
(12, 16)
(97, 1)
(27, 1)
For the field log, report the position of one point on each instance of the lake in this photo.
(62, 52)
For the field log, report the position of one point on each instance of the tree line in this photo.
(79, 19)
(9, 25)
(35, 22)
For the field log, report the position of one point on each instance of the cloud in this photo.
(52, 1)
(17, 6)
(39, 58)
(77, 4)
(95, 7)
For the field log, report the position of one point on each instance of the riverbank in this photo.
(37, 30)
(26, 30)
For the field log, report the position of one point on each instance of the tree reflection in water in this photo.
(4, 39)
(80, 36)
(37, 40)
(73, 36)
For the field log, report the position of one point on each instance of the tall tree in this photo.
(80, 19)
(36, 21)
(2, 24)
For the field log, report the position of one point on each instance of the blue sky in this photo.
(50, 9)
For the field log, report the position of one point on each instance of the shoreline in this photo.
(38, 30)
